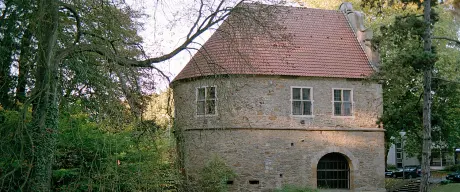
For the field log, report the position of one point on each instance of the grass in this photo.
(391, 184)
(451, 187)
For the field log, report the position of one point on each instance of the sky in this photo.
(166, 25)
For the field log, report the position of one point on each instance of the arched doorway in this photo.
(333, 172)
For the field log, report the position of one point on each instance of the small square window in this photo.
(302, 101)
(206, 100)
(343, 102)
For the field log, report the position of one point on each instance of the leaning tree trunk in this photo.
(426, 151)
(45, 104)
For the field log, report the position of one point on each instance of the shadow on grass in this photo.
(392, 184)
(451, 187)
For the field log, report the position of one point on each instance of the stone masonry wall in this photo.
(265, 102)
(279, 157)
(255, 133)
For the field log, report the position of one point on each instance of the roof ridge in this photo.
(290, 6)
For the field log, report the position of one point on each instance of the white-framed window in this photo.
(342, 102)
(206, 100)
(302, 101)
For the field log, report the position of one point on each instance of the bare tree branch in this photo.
(446, 80)
(107, 54)
(213, 15)
(448, 39)
(409, 15)
(77, 19)
(200, 12)
(210, 20)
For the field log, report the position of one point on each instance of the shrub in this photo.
(15, 149)
(214, 176)
(445, 182)
(91, 158)
(453, 168)
(391, 167)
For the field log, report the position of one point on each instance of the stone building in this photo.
(282, 95)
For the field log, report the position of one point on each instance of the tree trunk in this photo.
(24, 66)
(387, 146)
(132, 96)
(426, 150)
(387, 149)
(7, 45)
(45, 105)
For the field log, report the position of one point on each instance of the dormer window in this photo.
(302, 100)
(343, 102)
(206, 100)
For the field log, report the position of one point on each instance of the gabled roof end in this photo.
(363, 34)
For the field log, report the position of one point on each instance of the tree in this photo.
(45, 107)
(424, 61)
(14, 35)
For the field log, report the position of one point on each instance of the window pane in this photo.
(337, 95)
(200, 94)
(347, 108)
(337, 108)
(211, 92)
(296, 108)
(211, 107)
(200, 108)
(321, 175)
(296, 93)
(306, 94)
(321, 165)
(307, 107)
(346, 95)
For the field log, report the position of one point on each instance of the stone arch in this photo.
(353, 163)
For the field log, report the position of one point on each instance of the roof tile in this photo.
(298, 42)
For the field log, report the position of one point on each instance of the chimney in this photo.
(363, 34)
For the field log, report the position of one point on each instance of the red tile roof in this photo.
(295, 42)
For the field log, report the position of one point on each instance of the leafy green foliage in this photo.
(90, 155)
(212, 177)
(15, 141)
(453, 168)
(89, 158)
(403, 59)
(159, 108)
(445, 182)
